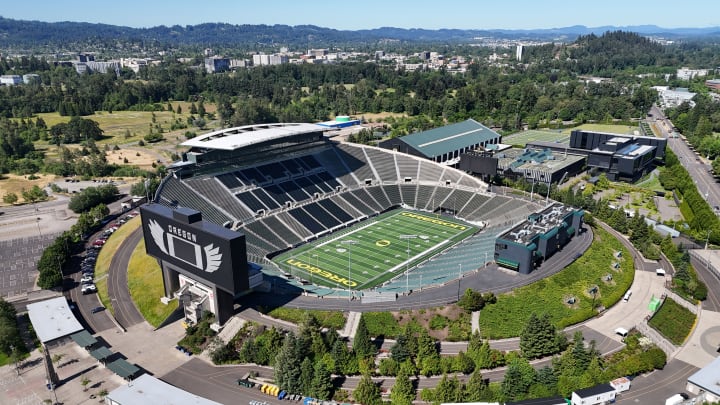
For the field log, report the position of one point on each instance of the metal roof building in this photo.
(706, 382)
(148, 390)
(52, 319)
(444, 144)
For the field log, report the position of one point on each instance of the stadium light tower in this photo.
(407, 262)
(349, 242)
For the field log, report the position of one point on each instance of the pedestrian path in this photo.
(351, 324)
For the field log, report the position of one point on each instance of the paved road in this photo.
(126, 313)
(694, 164)
(655, 387)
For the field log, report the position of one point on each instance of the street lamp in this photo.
(459, 277)
(349, 242)
(407, 262)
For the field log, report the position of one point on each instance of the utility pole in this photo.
(407, 262)
(349, 242)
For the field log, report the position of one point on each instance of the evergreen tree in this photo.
(362, 345)
(399, 351)
(307, 374)
(476, 388)
(403, 392)
(539, 337)
(519, 376)
(321, 386)
(287, 365)
(340, 354)
(367, 392)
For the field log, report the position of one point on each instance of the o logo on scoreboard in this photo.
(382, 243)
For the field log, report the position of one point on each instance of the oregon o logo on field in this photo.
(382, 243)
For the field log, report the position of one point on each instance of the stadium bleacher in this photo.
(327, 191)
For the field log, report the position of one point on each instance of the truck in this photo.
(675, 399)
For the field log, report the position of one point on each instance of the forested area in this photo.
(305, 362)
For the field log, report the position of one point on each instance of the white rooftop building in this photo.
(148, 390)
(52, 319)
(674, 97)
(687, 74)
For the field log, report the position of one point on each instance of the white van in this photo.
(660, 272)
(626, 298)
(622, 332)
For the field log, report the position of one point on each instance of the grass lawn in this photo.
(12, 183)
(673, 321)
(651, 182)
(378, 252)
(146, 287)
(522, 138)
(508, 316)
(611, 128)
(327, 319)
(102, 265)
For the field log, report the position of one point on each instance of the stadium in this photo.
(339, 219)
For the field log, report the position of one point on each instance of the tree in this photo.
(400, 351)
(539, 337)
(362, 345)
(519, 376)
(476, 388)
(367, 392)
(288, 365)
(321, 386)
(84, 382)
(10, 198)
(307, 374)
(448, 390)
(471, 301)
(403, 392)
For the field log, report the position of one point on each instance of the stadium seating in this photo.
(213, 190)
(175, 193)
(326, 191)
(407, 166)
(384, 164)
(408, 192)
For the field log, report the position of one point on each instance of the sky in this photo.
(368, 14)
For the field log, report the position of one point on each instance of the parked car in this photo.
(88, 289)
(86, 280)
(97, 309)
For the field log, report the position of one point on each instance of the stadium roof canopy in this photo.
(52, 319)
(239, 137)
(148, 390)
(438, 141)
(83, 338)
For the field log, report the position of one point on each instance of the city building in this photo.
(706, 382)
(686, 73)
(268, 60)
(217, 65)
(31, 78)
(674, 97)
(713, 84)
(519, 52)
(541, 165)
(148, 390)
(620, 157)
(10, 80)
(98, 67)
(445, 144)
(527, 244)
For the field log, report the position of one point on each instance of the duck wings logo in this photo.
(208, 258)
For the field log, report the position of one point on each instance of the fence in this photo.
(657, 338)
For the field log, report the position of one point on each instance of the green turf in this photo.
(379, 254)
(522, 138)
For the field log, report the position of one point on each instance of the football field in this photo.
(373, 251)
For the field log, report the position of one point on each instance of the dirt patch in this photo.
(132, 157)
(379, 117)
(12, 183)
(424, 317)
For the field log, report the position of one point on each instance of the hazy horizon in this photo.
(420, 14)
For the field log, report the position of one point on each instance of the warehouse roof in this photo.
(450, 138)
(708, 377)
(52, 319)
(148, 390)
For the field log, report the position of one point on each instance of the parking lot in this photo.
(18, 260)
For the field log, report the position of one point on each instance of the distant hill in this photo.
(58, 35)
